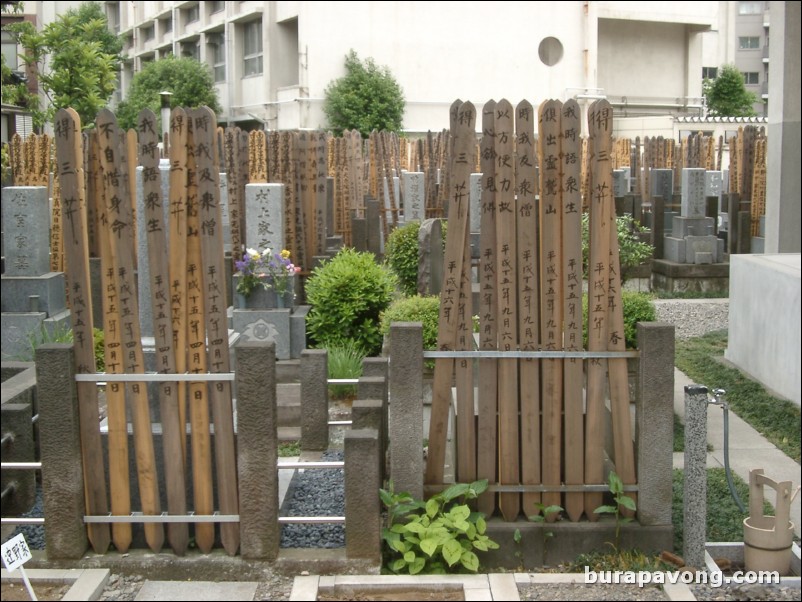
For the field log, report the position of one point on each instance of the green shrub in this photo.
(425, 310)
(438, 536)
(632, 252)
(99, 338)
(347, 295)
(638, 307)
(402, 255)
(345, 362)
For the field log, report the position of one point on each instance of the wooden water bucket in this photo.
(768, 539)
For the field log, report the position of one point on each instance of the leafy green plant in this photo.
(402, 255)
(289, 449)
(366, 98)
(541, 512)
(632, 252)
(347, 294)
(437, 536)
(621, 499)
(727, 96)
(425, 310)
(345, 362)
(618, 560)
(99, 338)
(637, 307)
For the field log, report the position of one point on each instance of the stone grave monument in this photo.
(692, 238)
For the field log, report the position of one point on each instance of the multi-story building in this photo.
(273, 60)
(752, 49)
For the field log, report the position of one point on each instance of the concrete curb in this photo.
(87, 584)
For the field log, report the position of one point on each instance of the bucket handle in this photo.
(782, 511)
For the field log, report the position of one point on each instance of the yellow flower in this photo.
(285, 254)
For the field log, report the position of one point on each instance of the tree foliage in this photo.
(727, 95)
(190, 82)
(75, 59)
(366, 98)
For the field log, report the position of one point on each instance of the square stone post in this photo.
(654, 429)
(694, 489)
(314, 400)
(257, 449)
(372, 414)
(362, 505)
(406, 407)
(60, 452)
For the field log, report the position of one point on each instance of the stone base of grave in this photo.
(678, 277)
(694, 249)
(682, 227)
(21, 329)
(286, 327)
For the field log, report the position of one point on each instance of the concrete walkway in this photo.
(748, 448)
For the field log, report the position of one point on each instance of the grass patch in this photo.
(289, 449)
(618, 560)
(724, 518)
(345, 362)
(776, 419)
(691, 294)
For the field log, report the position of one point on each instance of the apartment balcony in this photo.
(766, 17)
(766, 53)
(764, 90)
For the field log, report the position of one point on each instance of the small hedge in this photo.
(415, 309)
(638, 307)
(348, 294)
(402, 254)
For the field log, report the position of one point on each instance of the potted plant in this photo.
(265, 279)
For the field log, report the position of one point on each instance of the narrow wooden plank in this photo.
(115, 162)
(67, 128)
(173, 431)
(573, 374)
(487, 438)
(623, 448)
(449, 297)
(508, 435)
(214, 288)
(600, 124)
(549, 130)
(202, 485)
(119, 477)
(132, 162)
(321, 148)
(235, 201)
(178, 257)
(528, 302)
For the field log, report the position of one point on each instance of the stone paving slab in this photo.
(197, 590)
(87, 584)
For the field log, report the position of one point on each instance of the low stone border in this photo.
(677, 592)
(495, 586)
(87, 584)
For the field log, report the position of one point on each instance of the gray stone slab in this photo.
(701, 244)
(26, 230)
(430, 258)
(373, 226)
(264, 216)
(298, 330)
(693, 192)
(701, 258)
(197, 590)
(674, 249)
(414, 196)
(49, 288)
(691, 226)
(662, 184)
(265, 325)
(225, 216)
(475, 198)
(713, 183)
(620, 183)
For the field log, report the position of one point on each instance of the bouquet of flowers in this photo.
(266, 269)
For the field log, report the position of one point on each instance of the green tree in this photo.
(727, 95)
(75, 59)
(190, 82)
(366, 98)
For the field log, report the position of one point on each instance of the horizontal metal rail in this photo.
(153, 377)
(342, 381)
(531, 354)
(164, 517)
(310, 519)
(21, 465)
(295, 465)
(555, 488)
(33, 520)
(341, 422)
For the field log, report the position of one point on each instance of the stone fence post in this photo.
(314, 400)
(362, 505)
(694, 490)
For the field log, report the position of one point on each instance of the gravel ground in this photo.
(581, 591)
(693, 317)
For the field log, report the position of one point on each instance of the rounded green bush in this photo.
(638, 307)
(401, 254)
(425, 310)
(347, 294)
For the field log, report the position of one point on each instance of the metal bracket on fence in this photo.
(164, 517)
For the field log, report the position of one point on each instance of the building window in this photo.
(167, 25)
(751, 78)
(217, 52)
(113, 16)
(191, 14)
(10, 50)
(216, 7)
(190, 50)
(748, 42)
(252, 48)
(709, 72)
(750, 8)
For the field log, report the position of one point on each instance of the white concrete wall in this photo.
(764, 331)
